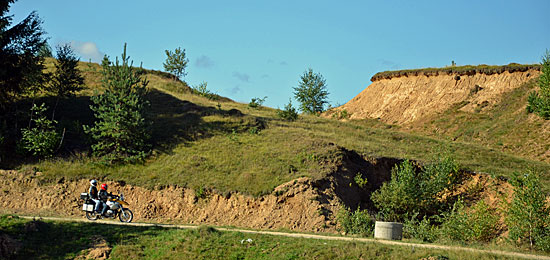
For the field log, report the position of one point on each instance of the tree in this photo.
(121, 131)
(528, 217)
(40, 138)
(20, 66)
(540, 102)
(45, 51)
(311, 92)
(176, 62)
(67, 79)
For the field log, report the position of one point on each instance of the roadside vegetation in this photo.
(34, 240)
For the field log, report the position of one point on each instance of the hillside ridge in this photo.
(402, 100)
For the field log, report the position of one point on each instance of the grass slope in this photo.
(228, 146)
(506, 126)
(64, 240)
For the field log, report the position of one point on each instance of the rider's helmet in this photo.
(93, 182)
(104, 186)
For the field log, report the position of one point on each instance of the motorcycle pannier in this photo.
(84, 196)
(88, 207)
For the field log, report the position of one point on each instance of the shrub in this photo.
(257, 102)
(421, 230)
(528, 217)
(40, 139)
(478, 223)
(360, 181)
(202, 90)
(289, 113)
(540, 102)
(410, 191)
(357, 222)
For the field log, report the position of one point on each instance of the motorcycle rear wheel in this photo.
(92, 216)
(126, 215)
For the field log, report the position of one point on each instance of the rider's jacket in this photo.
(103, 195)
(93, 192)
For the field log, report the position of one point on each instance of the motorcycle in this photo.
(115, 208)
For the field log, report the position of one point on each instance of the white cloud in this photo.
(87, 50)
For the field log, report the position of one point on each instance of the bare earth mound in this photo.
(401, 100)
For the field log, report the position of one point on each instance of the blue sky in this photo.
(247, 49)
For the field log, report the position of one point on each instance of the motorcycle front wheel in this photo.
(126, 215)
(92, 215)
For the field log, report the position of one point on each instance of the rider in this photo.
(94, 194)
(103, 196)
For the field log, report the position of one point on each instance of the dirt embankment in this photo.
(302, 204)
(402, 100)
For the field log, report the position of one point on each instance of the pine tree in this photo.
(20, 66)
(176, 62)
(311, 92)
(67, 79)
(121, 131)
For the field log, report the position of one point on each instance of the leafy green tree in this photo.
(20, 66)
(121, 131)
(311, 92)
(540, 102)
(41, 138)
(67, 78)
(176, 62)
(528, 217)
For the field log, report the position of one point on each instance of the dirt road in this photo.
(310, 236)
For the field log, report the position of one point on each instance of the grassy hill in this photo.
(227, 146)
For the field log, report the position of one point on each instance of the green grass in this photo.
(504, 126)
(62, 240)
(458, 70)
(227, 146)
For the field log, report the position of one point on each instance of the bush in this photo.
(528, 217)
(539, 103)
(410, 191)
(257, 102)
(357, 222)
(289, 113)
(478, 223)
(40, 139)
(421, 230)
(202, 90)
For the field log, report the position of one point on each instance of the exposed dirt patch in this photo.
(406, 99)
(99, 249)
(302, 204)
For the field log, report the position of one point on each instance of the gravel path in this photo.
(311, 236)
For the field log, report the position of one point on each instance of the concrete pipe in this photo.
(388, 230)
